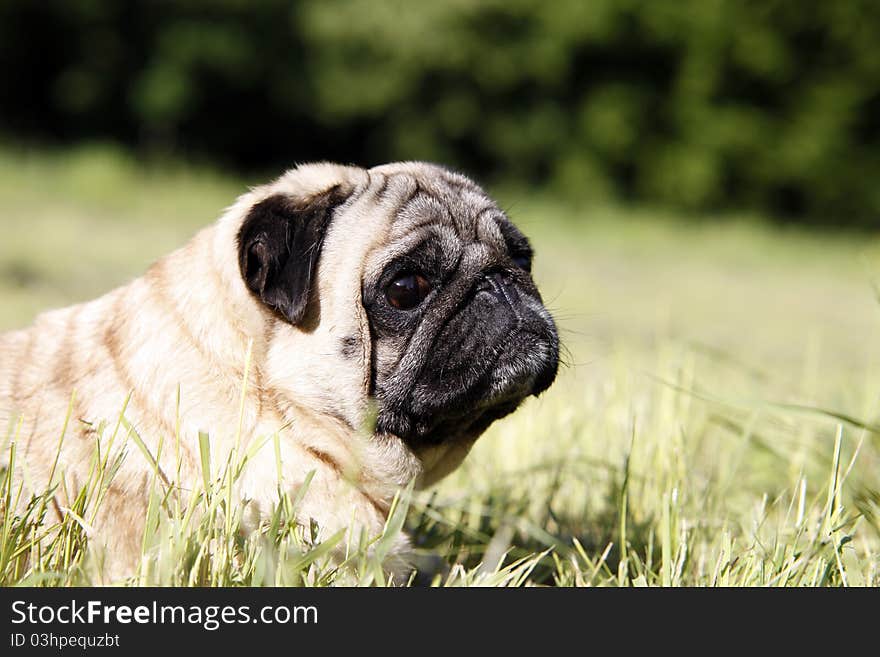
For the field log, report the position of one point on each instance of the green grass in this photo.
(716, 423)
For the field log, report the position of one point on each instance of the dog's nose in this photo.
(500, 285)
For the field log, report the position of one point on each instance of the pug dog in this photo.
(376, 321)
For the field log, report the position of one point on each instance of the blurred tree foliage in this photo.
(695, 104)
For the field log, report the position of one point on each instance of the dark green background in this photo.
(697, 105)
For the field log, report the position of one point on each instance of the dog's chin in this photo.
(442, 449)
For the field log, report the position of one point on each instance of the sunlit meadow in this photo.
(714, 422)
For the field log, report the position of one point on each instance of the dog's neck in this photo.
(310, 381)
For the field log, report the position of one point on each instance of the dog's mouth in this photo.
(528, 370)
(431, 418)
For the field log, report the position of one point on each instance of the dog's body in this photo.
(289, 292)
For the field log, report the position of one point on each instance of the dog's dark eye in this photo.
(407, 291)
(523, 261)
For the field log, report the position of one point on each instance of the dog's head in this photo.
(402, 288)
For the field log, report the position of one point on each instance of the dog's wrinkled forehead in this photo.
(433, 203)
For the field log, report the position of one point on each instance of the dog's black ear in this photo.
(279, 244)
